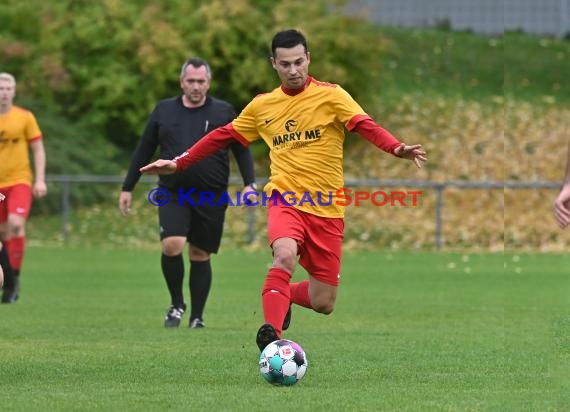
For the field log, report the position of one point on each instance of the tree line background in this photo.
(93, 70)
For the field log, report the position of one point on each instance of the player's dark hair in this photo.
(287, 39)
(196, 62)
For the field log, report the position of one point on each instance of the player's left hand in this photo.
(251, 197)
(40, 189)
(414, 152)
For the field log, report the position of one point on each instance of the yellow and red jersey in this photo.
(304, 130)
(305, 133)
(18, 128)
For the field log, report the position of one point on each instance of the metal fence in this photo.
(545, 17)
(67, 182)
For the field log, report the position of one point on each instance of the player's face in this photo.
(292, 66)
(7, 92)
(195, 85)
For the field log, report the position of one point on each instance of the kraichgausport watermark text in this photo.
(341, 197)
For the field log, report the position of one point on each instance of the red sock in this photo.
(300, 294)
(15, 248)
(276, 298)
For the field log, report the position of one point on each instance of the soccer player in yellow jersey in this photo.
(303, 123)
(2, 197)
(562, 202)
(19, 131)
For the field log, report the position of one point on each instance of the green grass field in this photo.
(411, 332)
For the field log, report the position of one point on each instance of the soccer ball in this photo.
(283, 362)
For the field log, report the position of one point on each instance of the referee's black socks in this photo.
(200, 282)
(173, 271)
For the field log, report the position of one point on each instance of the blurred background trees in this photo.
(100, 67)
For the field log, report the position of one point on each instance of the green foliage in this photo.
(105, 64)
(537, 68)
(439, 62)
(73, 149)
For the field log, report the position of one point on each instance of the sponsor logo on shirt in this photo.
(294, 138)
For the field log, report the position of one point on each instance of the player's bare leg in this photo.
(322, 295)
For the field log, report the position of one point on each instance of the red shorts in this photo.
(18, 201)
(319, 239)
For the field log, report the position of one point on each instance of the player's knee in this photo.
(323, 304)
(326, 307)
(172, 247)
(17, 228)
(198, 255)
(285, 258)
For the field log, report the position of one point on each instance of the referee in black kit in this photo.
(176, 124)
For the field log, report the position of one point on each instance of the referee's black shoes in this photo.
(173, 316)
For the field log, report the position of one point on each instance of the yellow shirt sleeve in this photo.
(245, 124)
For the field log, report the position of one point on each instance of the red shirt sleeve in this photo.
(373, 132)
(208, 145)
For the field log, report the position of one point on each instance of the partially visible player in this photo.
(562, 201)
(2, 197)
(19, 132)
(1, 273)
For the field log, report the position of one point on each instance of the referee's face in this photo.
(292, 66)
(195, 85)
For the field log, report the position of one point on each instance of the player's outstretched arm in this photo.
(562, 207)
(414, 152)
(160, 167)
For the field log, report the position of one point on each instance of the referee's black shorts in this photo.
(195, 218)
